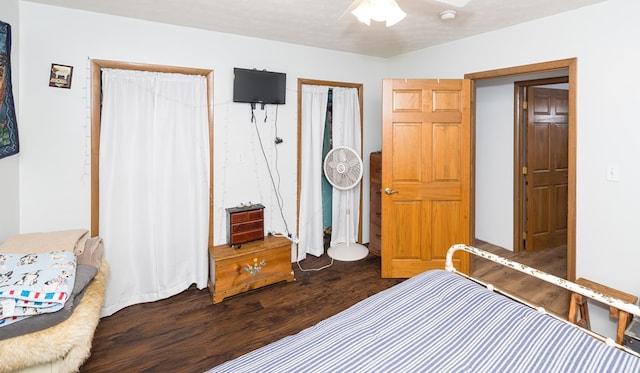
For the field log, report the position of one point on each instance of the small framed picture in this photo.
(60, 76)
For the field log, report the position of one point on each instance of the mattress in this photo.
(437, 322)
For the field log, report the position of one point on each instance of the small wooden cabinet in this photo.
(375, 203)
(245, 224)
(255, 264)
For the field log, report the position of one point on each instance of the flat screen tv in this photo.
(259, 86)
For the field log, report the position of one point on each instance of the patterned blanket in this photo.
(32, 284)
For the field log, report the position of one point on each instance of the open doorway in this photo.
(568, 69)
(541, 157)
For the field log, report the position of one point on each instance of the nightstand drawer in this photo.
(238, 239)
(247, 226)
(240, 217)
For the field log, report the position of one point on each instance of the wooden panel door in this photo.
(426, 168)
(547, 168)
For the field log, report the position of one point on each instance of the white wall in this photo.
(494, 163)
(55, 160)
(603, 38)
(9, 166)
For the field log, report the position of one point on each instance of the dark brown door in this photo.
(426, 174)
(546, 168)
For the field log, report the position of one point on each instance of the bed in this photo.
(59, 341)
(441, 321)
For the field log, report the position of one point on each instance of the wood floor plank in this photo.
(553, 261)
(187, 333)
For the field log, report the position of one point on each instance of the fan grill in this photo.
(343, 168)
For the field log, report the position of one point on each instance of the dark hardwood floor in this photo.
(187, 333)
(554, 261)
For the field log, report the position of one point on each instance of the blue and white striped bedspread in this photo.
(437, 322)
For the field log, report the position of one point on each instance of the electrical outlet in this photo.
(613, 173)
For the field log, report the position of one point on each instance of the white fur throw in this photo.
(70, 341)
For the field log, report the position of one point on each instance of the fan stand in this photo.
(347, 251)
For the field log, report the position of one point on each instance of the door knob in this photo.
(390, 191)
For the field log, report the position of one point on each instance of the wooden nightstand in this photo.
(253, 265)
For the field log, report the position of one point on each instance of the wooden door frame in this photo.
(327, 83)
(570, 65)
(519, 158)
(96, 106)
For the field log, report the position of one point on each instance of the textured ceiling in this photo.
(328, 23)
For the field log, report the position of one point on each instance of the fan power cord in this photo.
(314, 269)
(287, 236)
(295, 241)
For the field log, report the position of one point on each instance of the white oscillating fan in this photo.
(343, 169)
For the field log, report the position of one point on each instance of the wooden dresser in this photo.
(375, 203)
(255, 264)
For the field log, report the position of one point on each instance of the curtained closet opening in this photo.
(327, 189)
(152, 178)
(330, 115)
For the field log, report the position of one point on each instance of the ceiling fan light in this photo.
(379, 10)
(363, 12)
(394, 14)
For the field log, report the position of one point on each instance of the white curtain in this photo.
(346, 132)
(314, 110)
(154, 185)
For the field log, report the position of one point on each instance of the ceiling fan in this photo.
(387, 10)
(456, 3)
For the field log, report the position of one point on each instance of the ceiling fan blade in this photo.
(351, 7)
(456, 3)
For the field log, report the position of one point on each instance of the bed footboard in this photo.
(566, 284)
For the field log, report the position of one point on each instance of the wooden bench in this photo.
(578, 307)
